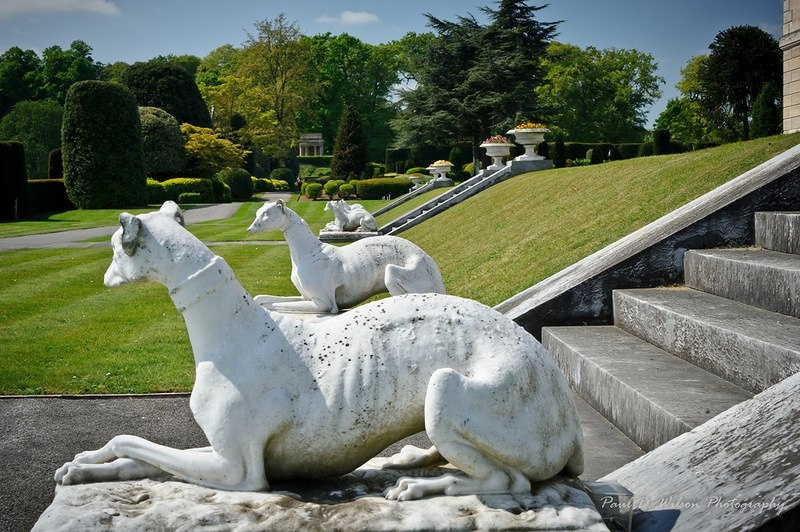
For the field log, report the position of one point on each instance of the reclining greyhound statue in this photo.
(281, 398)
(330, 278)
(349, 217)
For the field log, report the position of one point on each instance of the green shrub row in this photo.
(316, 160)
(189, 197)
(382, 187)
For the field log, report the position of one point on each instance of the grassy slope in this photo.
(525, 229)
(61, 331)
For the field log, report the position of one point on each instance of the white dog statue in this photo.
(330, 277)
(280, 398)
(349, 217)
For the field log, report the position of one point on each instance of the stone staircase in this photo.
(676, 374)
(457, 194)
(678, 356)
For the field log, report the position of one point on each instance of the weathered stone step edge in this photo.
(761, 348)
(762, 278)
(652, 396)
(605, 447)
(778, 231)
(738, 471)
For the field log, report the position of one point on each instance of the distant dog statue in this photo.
(280, 398)
(349, 217)
(333, 277)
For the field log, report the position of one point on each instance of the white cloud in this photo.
(349, 18)
(10, 8)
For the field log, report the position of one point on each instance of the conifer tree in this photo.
(350, 147)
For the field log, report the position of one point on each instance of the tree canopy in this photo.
(592, 95)
(469, 79)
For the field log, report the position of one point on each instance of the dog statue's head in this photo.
(271, 215)
(144, 244)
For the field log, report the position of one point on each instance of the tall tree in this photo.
(351, 72)
(471, 78)
(349, 149)
(742, 60)
(19, 77)
(598, 95)
(62, 68)
(766, 113)
(276, 60)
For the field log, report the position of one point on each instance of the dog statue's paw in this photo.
(411, 457)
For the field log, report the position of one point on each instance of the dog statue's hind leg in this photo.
(497, 452)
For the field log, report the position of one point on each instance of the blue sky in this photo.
(671, 31)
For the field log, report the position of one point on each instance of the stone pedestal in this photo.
(523, 167)
(350, 502)
(345, 236)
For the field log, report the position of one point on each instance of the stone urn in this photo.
(497, 151)
(439, 170)
(530, 138)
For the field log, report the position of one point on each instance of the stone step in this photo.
(778, 231)
(605, 447)
(748, 346)
(765, 279)
(652, 396)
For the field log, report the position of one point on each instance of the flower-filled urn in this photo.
(497, 147)
(440, 168)
(530, 135)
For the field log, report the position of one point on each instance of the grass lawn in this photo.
(62, 331)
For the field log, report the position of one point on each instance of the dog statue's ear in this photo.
(281, 204)
(171, 208)
(130, 232)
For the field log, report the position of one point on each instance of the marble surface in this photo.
(351, 502)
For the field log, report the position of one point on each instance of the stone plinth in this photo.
(349, 502)
(346, 236)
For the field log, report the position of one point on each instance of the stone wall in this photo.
(790, 44)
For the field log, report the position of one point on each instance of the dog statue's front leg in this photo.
(241, 469)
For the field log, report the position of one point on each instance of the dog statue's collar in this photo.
(201, 283)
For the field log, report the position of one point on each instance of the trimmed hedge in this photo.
(155, 192)
(382, 187)
(13, 176)
(315, 160)
(48, 195)
(173, 188)
(189, 197)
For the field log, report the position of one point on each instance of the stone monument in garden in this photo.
(290, 404)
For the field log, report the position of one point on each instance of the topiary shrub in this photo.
(240, 182)
(162, 142)
(313, 190)
(155, 192)
(331, 188)
(177, 186)
(346, 190)
(189, 197)
(282, 173)
(417, 170)
(392, 187)
(169, 87)
(101, 147)
(559, 153)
